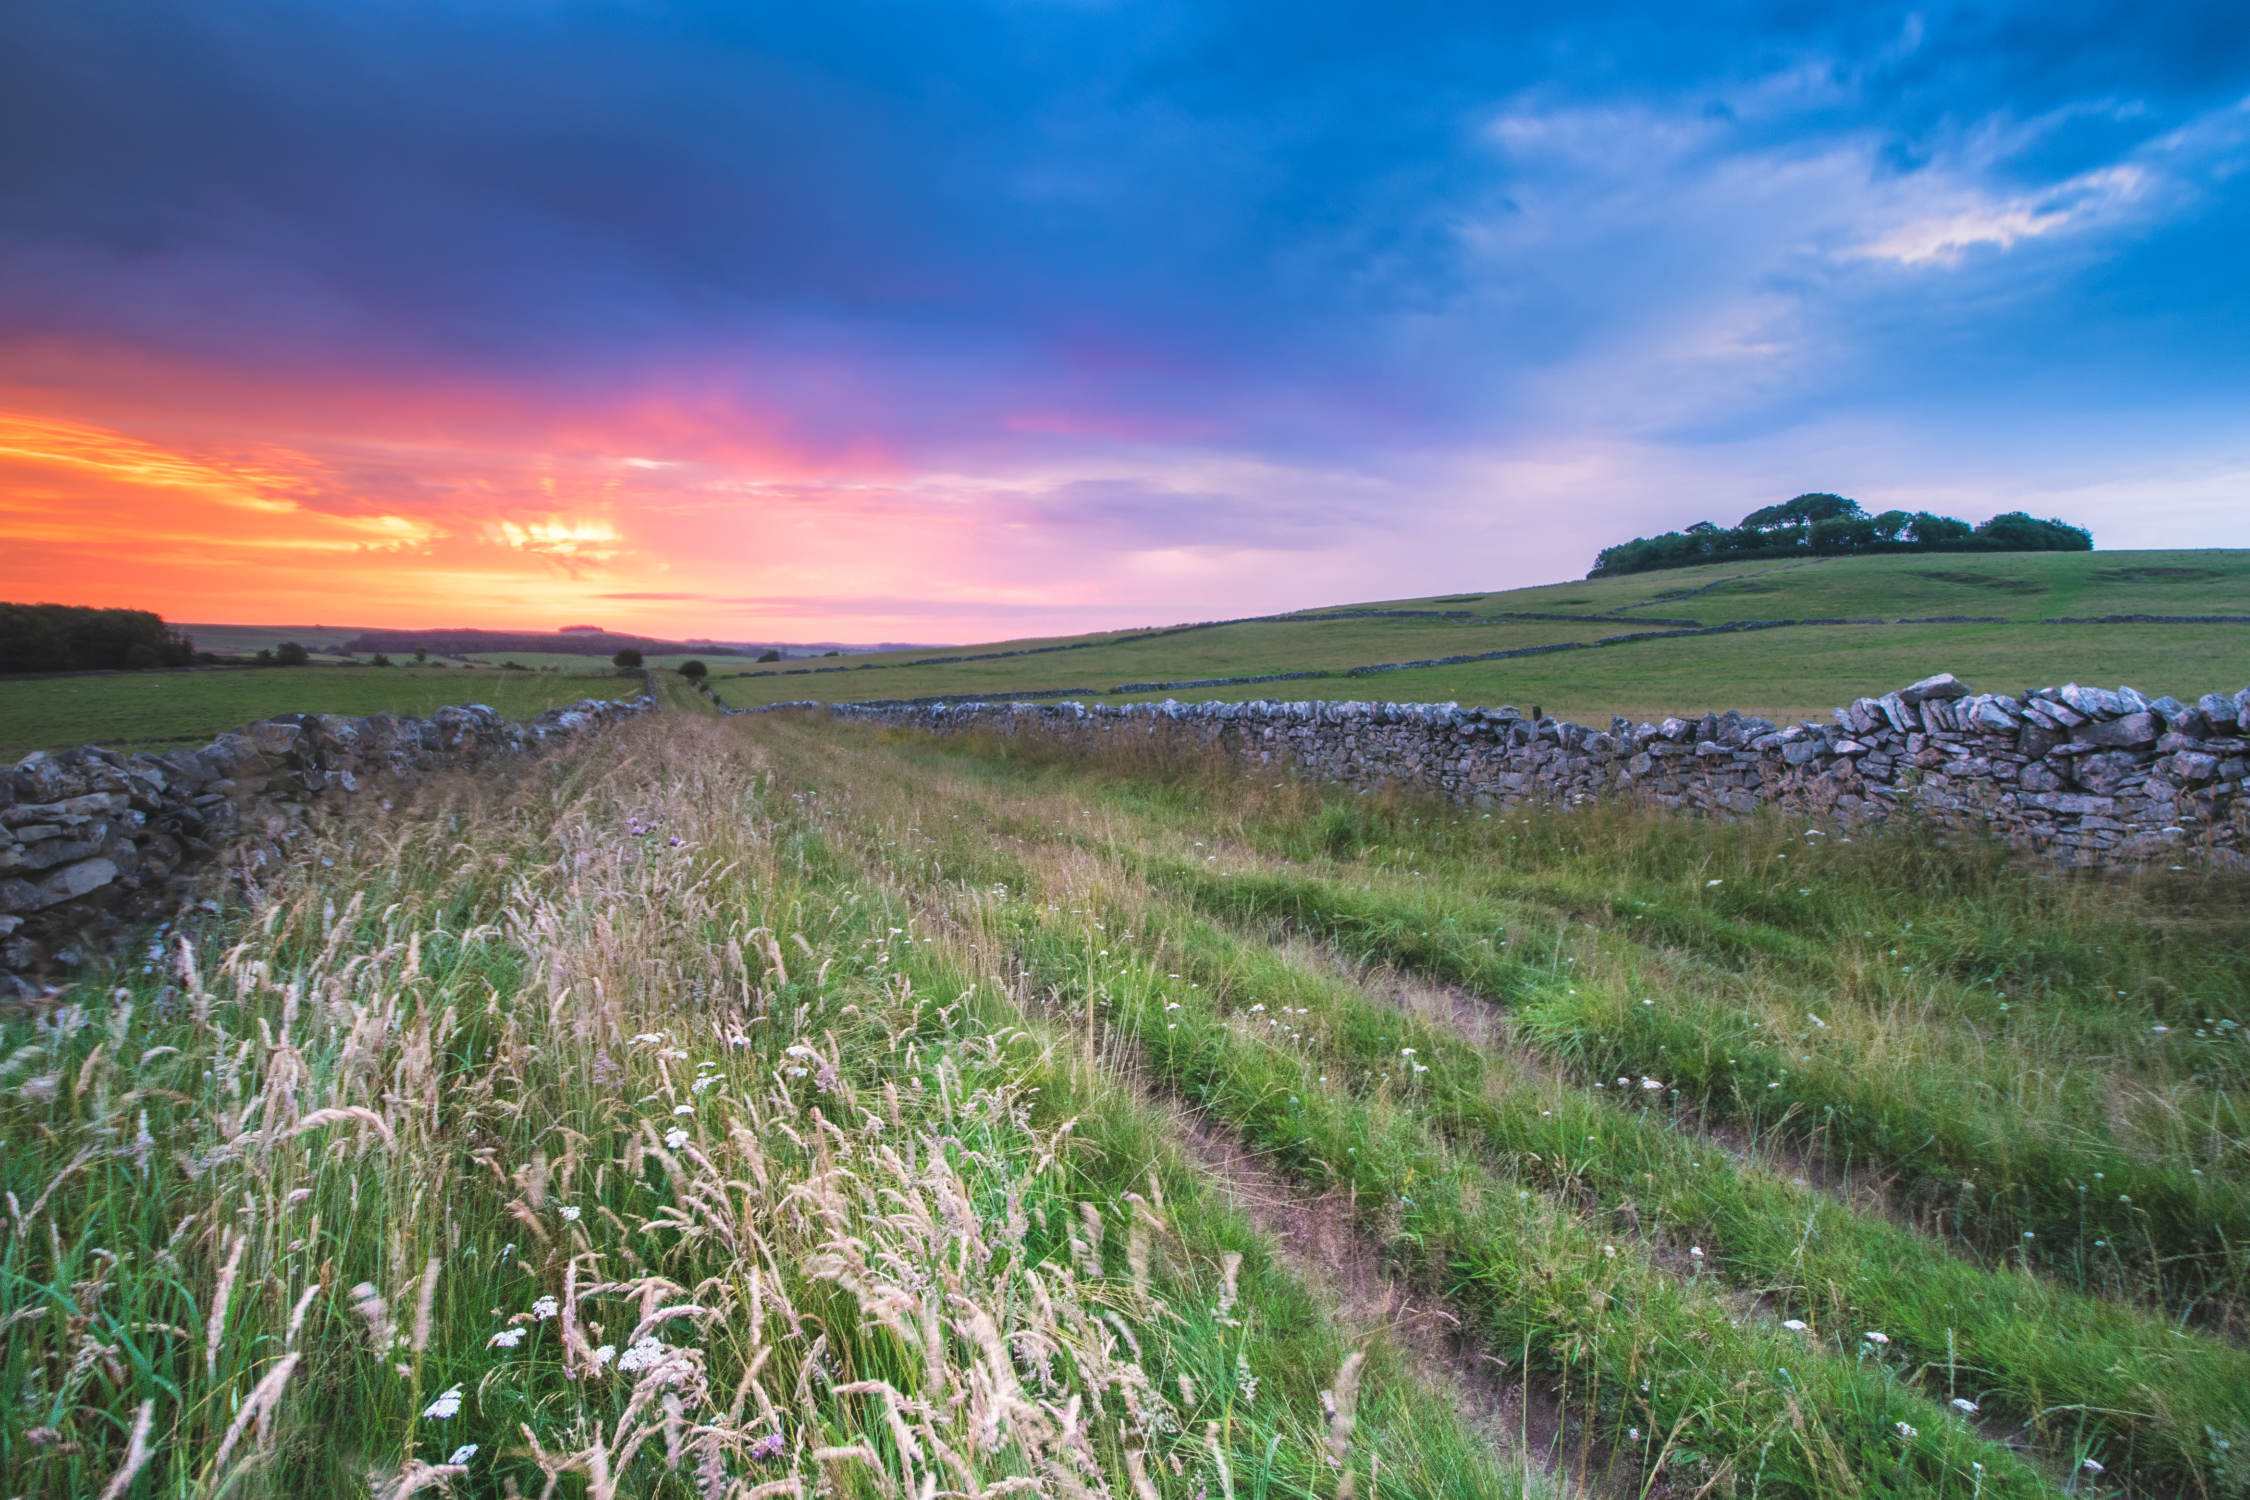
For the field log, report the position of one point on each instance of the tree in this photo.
(1940, 531)
(1800, 513)
(694, 671)
(2014, 531)
(290, 654)
(381, 660)
(770, 656)
(627, 660)
(420, 656)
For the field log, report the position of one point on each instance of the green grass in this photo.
(136, 710)
(648, 1138)
(2069, 1333)
(1783, 674)
(1803, 672)
(887, 1082)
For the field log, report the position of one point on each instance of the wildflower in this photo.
(1710, 883)
(768, 1446)
(1650, 1085)
(444, 1407)
(506, 1338)
(1406, 1051)
(679, 1110)
(2091, 1466)
(644, 1355)
(1965, 1406)
(1794, 1325)
(605, 1354)
(545, 1308)
(1906, 1431)
(570, 1212)
(675, 1138)
(463, 1454)
(1876, 1338)
(1695, 1252)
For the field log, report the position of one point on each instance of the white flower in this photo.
(605, 1354)
(545, 1308)
(645, 1355)
(445, 1406)
(649, 1038)
(1794, 1325)
(1876, 1338)
(506, 1338)
(679, 1110)
(1695, 1252)
(569, 1213)
(1650, 1084)
(463, 1454)
(1406, 1051)
(2090, 1466)
(1710, 883)
(675, 1138)
(1907, 1432)
(1964, 1405)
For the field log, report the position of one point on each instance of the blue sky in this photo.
(979, 318)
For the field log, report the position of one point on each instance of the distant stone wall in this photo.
(92, 841)
(2085, 776)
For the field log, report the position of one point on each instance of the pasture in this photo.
(2001, 624)
(160, 710)
(767, 1106)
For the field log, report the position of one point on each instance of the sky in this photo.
(969, 320)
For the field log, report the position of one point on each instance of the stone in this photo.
(2133, 729)
(1942, 686)
(69, 883)
(274, 737)
(2094, 703)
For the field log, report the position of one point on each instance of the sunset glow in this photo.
(1022, 320)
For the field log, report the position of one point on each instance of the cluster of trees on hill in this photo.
(69, 638)
(1824, 525)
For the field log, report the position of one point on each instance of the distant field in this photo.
(158, 709)
(1801, 672)
(1227, 650)
(1794, 672)
(539, 660)
(249, 640)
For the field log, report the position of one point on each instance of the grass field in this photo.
(249, 640)
(1798, 672)
(762, 1107)
(138, 710)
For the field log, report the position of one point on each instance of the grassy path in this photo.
(2083, 1375)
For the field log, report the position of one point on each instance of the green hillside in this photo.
(2000, 621)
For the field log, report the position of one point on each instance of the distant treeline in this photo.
(68, 638)
(575, 642)
(1823, 525)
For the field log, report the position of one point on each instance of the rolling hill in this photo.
(1784, 639)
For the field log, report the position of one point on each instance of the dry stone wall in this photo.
(2081, 775)
(92, 841)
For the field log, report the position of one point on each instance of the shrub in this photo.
(290, 654)
(769, 655)
(627, 660)
(381, 660)
(694, 671)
